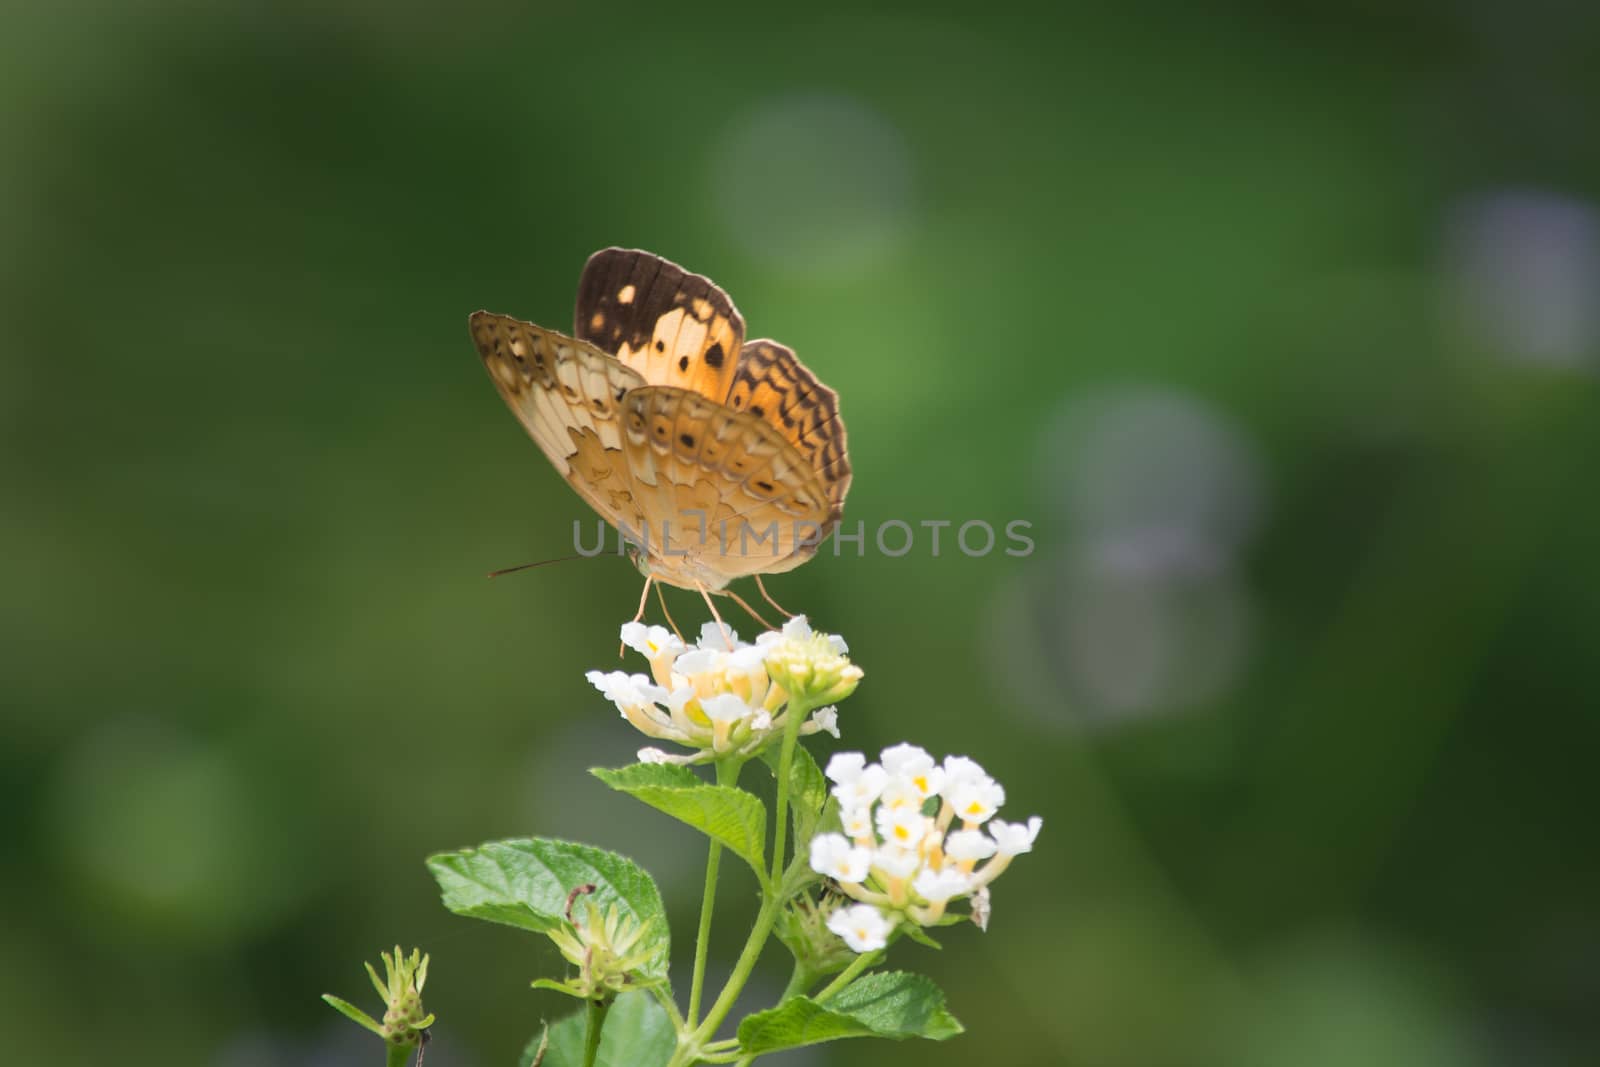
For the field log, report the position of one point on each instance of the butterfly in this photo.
(716, 457)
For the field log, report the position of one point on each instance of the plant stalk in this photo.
(591, 1036)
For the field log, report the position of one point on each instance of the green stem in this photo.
(771, 900)
(791, 733)
(742, 968)
(727, 774)
(799, 981)
(848, 975)
(591, 1036)
(398, 1055)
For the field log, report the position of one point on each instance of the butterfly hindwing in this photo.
(731, 476)
(673, 327)
(772, 384)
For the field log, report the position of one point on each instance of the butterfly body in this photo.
(714, 457)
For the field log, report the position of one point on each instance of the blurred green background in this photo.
(1281, 328)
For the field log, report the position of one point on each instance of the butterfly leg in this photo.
(785, 612)
(661, 595)
(748, 610)
(643, 598)
(727, 631)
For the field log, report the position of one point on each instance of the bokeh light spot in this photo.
(813, 183)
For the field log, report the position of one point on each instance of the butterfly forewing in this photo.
(673, 327)
(569, 398)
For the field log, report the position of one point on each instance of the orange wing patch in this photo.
(673, 327)
(774, 386)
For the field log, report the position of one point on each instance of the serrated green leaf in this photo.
(808, 792)
(893, 1005)
(731, 817)
(637, 1033)
(526, 883)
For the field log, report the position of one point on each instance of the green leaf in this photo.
(557, 986)
(353, 1013)
(808, 793)
(894, 1005)
(637, 1033)
(526, 883)
(733, 818)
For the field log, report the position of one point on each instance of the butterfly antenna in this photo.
(530, 566)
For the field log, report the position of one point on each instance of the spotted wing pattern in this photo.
(569, 397)
(673, 327)
(744, 500)
(772, 384)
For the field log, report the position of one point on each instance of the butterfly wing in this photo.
(745, 498)
(673, 327)
(569, 396)
(772, 384)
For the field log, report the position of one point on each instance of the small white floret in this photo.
(1015, 838)
(969, 845)
(832, 855)
(976, 801)
(936, 887)
(862, 926)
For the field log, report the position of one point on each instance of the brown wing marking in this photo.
(673, 327)
(569, 397)
(773, 385)
(734, 469)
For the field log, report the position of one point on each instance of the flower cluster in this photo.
(722, 696)
(606, 946)
(404, 1025)
(914, 834)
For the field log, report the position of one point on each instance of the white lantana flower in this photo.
(857, 824)
(966, 846)
(655, 643)
(827, 720)
(936, 887)
(916, 864)
(716, 696)
(902, 827)
(855, 783)
(862, 926)
(1013, 838)
(837, 858)
(975, 801)
(810, 665)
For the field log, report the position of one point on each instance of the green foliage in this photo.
(638, 1033)
(731, 817)
(810, 805)
(893, 1005)
(527, 883)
